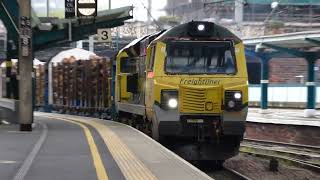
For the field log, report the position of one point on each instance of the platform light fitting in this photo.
(131, 12)
(274, 4)
(172, 103)
(201, 27)
(86, 11)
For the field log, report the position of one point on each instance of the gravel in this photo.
(258, 168)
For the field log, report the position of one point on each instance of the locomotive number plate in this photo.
(194, 120)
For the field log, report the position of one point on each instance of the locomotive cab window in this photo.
(200, 58)
(152, 58)
(128, 65)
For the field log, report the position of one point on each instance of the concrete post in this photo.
(47, 106)
(238, 16)
(91, 44)
(25, 66)
(8, 77)
(311, 89)
(264, 84)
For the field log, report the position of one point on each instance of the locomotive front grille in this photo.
(193, 100)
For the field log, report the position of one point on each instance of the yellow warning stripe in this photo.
(131, 167)
(98, 164)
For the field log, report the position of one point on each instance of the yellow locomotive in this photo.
(188, 83)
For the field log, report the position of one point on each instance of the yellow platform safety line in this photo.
(130, 165)
(97, 161)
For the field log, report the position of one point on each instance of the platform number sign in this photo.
(70, 8)
(104, 35)
(87, 8)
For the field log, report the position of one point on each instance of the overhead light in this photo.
(131, 12)
(201, 27)
(274, 5)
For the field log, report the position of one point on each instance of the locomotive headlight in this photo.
(172, 103)
(233, 100)
(231, 104)
(169, 99)
(201, 27)
(237, 95)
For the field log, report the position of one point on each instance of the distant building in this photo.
(304, 11)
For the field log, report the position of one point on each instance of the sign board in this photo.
(104, 35)
(70, 9)
(25, 36)
(87, 8)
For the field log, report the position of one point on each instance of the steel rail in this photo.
(309, 147)
(236, 173)
(299, 155)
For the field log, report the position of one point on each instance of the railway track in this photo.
(227, 174)
(303, 156)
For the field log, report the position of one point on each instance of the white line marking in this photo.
(31, 156)
(7, 162)
(18, 132)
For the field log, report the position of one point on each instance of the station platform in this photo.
(82, 148)
(283, 116)
(283, 125)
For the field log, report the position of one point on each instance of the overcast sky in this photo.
(140, 12)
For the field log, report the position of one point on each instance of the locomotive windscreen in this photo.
(200, 58)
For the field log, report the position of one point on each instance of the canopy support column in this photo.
(311, 89)
(47, 105)
(264, 83)
(311, 58)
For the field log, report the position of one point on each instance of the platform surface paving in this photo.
(80, 148)
(283, 116)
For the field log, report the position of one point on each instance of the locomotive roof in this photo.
(185, 31)
(189, 31)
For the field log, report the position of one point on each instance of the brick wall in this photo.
(283, 70)
(307, 135)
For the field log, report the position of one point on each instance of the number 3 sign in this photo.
(104, 35)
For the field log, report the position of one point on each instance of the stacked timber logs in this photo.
(40, 84)
(79, 86)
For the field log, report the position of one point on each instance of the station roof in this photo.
(306, 40)
(285, 2)
(268, 2)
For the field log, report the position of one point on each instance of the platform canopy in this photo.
(52, 32)
(301, 44)
(306, 39)
(285, 2)
(268, 2)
